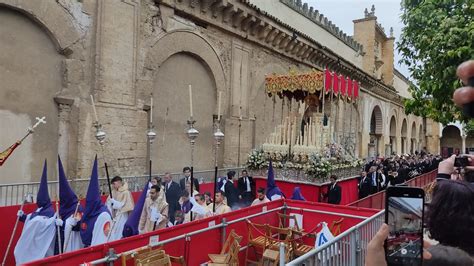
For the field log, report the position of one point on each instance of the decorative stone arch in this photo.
(413, 141)
(393, 134)
(185, 41)
(451, 140)
(376, 121)
(404, 136)
(47, 14)
(174, 52)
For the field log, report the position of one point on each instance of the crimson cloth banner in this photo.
(5, 154)
(356, 89)
(335, 83)
(328, 80)
(343, 86)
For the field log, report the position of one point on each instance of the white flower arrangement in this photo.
(256, 159)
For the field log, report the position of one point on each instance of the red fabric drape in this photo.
(335, 84)
(343, 86)
(356, 89)
(328, 80)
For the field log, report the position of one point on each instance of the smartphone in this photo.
(461, 161)
(404, 208)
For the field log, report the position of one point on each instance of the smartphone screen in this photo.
(404, 215)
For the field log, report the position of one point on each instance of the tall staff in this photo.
(192, 134)
(26, 200)
(151, 135)
(218, 137)
(100, 136)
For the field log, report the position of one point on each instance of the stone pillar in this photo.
(463, 136)
(64, 106)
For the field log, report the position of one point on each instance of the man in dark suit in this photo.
(375, 180)
(172, 193)
(246, 187)
(334, 191)
(231, 192)
(364, 185)
(187, 178)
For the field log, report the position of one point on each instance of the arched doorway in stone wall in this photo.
(172, 110)
(404, 135)
(31, 77)
(375, 131)
(451, 141)
(393, 135)
(413, 141)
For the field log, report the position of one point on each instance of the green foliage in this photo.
(438, 36)
(469, 127)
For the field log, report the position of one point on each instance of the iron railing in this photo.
(348, 248)
(14, 194)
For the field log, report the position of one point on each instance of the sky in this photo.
(343, 12)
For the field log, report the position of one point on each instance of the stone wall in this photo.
(124, 51)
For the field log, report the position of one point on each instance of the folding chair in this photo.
(284, 235)
(336, 226)
(282, 218)
(259, 241)
(225, 251)
(231, 258)
(298, 245)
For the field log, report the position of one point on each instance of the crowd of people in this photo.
(380, 173)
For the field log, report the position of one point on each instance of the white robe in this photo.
(37, 239)
(117, 226)
(73, 238)
(99, 234)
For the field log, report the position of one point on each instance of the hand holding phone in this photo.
(404, 208)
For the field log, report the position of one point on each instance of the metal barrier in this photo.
(13, 194)
(348, 248)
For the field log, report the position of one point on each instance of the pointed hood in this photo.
(94, 207)
(297, 195)
(272, 188)
(67, 197)
(131, 226)
(45, 208)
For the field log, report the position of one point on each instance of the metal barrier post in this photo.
(224, 229)
(356, 248)
(282, 254)
(111, 257)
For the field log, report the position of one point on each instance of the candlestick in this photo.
(93, 107)
(240, 112)
(190, 101)
(151, 110)
(219, 107)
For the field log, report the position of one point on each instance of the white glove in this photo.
(59, 222)
(155, 216)
(20, 213)
(117, 205)
(73, 222)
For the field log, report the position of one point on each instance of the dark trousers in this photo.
(247, 198)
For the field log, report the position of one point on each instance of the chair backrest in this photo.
(263, 228)
(232, 236)
(336, 226)
(133, 253)
(153, 258)
(283, 233)
(233, 255)
(282, 218)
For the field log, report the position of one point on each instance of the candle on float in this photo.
(151, 110)
(93, 107)
(219, 107)
(190, 101)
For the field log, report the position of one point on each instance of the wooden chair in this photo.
(155, 257)
(298, 245)
(260, 241)
(231, 258)
(282, 218)
(336, 226)
(225, 251)
(133, 253)
(178, 260)
(271, 258)
(284, 235)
